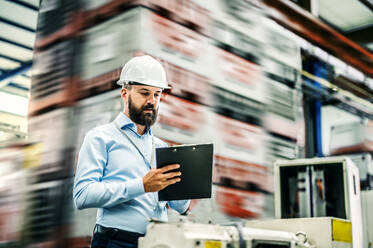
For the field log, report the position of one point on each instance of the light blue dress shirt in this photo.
(109, 177)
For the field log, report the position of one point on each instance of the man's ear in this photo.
(123, 92)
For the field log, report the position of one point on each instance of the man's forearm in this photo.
(106, 194)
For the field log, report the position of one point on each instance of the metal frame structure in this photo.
(18, 40)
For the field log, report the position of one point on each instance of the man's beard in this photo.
(138, 116)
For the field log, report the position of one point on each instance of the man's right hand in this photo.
(158, 179)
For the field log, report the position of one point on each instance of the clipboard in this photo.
(196, 171)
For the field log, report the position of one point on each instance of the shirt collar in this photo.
(123, 121)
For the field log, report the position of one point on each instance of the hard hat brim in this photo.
(123, 82)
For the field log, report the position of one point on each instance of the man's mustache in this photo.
(148, 107)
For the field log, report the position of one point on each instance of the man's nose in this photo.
(151, 99)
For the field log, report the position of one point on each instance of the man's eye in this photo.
(144, 93)
(157, 95)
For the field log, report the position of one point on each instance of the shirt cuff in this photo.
(180, 206)
(135, 187)
(186, 206)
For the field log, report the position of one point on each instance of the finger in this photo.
(171, 181)
(171, 174)
(169, 167)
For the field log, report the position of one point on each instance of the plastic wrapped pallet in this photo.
(236, 55)
(188, 85)
(281, 57)
(238, 75)
(107, 46)
(281, 47)
(278, 147)
(237, 107)
(188, 13)
(52, 132)
(55, 15)
(242, 187)
(352, 137)
(52, 75)
(236, 23)
(182, 121)
(92, 112)
(240, 140)
(284, 114)
(12, 189)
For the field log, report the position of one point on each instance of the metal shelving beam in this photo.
(11, 59)
(25, 4)
(4, 78)
(17, 25)
(16, 44)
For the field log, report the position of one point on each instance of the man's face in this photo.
(143, 104)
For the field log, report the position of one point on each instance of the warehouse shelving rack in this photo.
(285, 13)
(309, 27)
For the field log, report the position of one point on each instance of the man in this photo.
(115, 171)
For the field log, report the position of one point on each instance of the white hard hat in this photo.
(144, 70)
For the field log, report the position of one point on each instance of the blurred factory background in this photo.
(262, 79)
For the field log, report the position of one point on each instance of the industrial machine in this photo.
(317, 203)
(367, 203)
(320, 187)
(323, 232)
(186, 234)
(364, 162)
